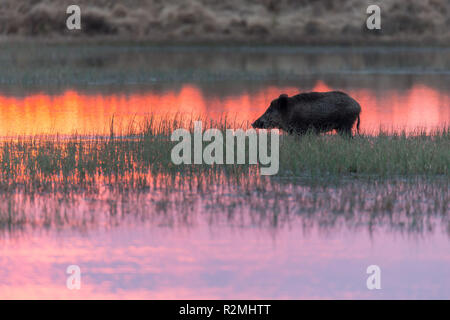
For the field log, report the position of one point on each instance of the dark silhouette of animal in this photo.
(315, 111)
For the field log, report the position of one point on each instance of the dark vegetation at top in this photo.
(244, 21)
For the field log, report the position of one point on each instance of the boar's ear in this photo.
(282, 101)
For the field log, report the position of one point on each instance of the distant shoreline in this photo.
(231, 22)
(124, 41)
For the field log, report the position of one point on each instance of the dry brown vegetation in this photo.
(256, 21)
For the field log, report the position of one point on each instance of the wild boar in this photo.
(316, 111)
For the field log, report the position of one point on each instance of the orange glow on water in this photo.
(74, 111)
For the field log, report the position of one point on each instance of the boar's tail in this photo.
(357, 125)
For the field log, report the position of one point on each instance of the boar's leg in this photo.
(345, 131)
(300, 131)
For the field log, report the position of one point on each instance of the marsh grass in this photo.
(382, 153)
(138, 156)
(383, 179)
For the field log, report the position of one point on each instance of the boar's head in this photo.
(273, 117)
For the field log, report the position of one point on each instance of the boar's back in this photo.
(315, 105)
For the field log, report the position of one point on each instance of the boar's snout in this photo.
(258, 124)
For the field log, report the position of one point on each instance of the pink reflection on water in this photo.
(220, 262)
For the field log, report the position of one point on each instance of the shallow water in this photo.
(192, 245)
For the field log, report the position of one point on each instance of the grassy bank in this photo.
(139, 157)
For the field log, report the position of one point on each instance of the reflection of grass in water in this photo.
(416, 206)
(138, 157)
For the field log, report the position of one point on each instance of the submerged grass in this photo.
(138, 156)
